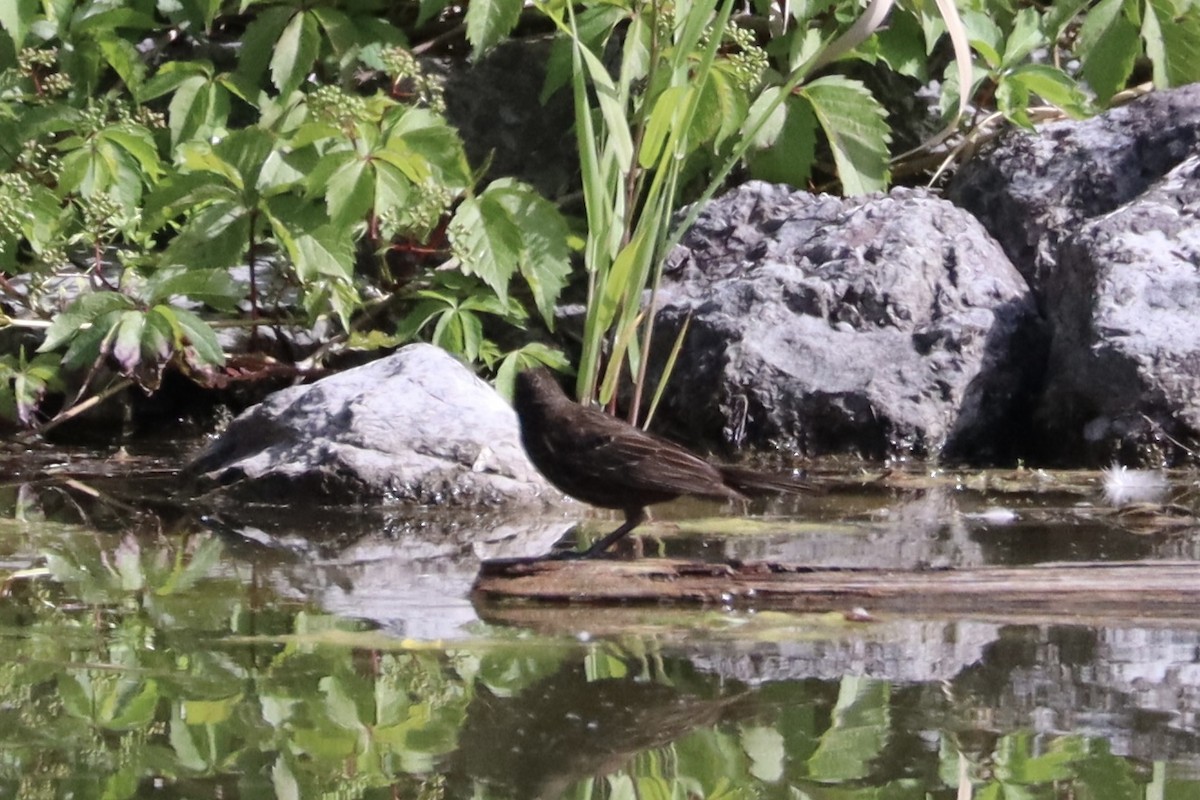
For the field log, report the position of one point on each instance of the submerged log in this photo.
(1138, 588)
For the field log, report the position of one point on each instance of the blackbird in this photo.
(606, 462)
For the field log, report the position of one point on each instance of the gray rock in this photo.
(1033, 190)
(887, 325)
(1123, 382)
(415, 428)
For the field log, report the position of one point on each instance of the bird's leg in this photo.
(633, 518)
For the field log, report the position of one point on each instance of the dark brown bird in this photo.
(606, 462)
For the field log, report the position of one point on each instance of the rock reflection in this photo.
(409, 574)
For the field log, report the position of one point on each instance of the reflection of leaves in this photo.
(1025, 764)
(108, 699)
(1015, 762)
(765, 747)
(100, 576)
(508, 671)
(1110, 776)
(861, 723)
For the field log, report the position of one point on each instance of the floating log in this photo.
(1139, 588)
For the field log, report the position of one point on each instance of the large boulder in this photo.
(1123, 382)
(1100, 216)
(882, 326)
(415, 428)
(495, 102)
(1032, 190)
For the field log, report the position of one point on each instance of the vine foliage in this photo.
(180, 182)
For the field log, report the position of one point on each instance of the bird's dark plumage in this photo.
(606, 462)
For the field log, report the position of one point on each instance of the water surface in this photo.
(153, 646)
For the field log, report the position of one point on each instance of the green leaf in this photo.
(767, 751)
(213, 287)
(183, 740)
(1053, 86)
(534, 353)
(200, 157)
(544, 258)
(612, 109)
(260, 41)
(766, 118)
(472, 334)
(448, 332)
(1026, 34)
(171, 76)
(198, 109)
(283, 780)
(1012, 100)
(853, 121)
(858, 733)
(183, 192)
(134, 706)
(125, 60)
(901, 45)
(393, 190)
(1109, 44)
(247, 150)
(1177, 60)
(106, 21)
(422, 133)
(158, 342)
(666, 108)
(725, 104)
(350, 191)
(295, 52)
(326, 250)
(139, 143)
(630, 261)
(594, 26)
(22, 386)
(489, 21)
(985, 36)
(420, 315)
(791, 158)
(200, 13)
(216, 236)
(1062, 13)
(487, 241)
(127, 341)
(16, 18)
(193, 334)
(91, 342)
(210, 712)
(83, 311)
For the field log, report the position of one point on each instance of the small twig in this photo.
(272, 322)
(457, 32)
(1162, 432)
(106, 499)
(76, 410)
(33, 324)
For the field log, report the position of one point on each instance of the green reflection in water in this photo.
(150, 665)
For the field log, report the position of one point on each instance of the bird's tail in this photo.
(753, 483)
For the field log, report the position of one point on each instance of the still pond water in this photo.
(155, 649)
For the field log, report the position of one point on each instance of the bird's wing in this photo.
(623, 456)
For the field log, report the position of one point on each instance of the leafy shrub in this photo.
(167, 169)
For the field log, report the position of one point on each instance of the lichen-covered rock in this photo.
(1123, 382)
(416, 427)
(885, 325)
(1032, 190)
(1100, 215)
